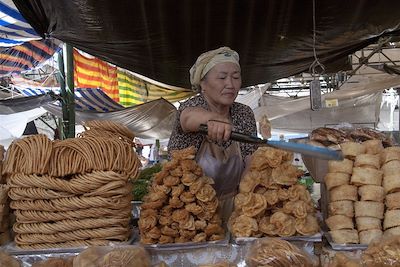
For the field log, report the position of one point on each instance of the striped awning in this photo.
(86, 99)
(14, 30)
(26, 56)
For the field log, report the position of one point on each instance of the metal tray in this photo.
(188, 245)
(12, 249)
(309, 238)
(344, 247)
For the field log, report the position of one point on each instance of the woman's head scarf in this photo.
(209, 59)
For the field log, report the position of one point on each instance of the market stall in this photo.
(72, 202)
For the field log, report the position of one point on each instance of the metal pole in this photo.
(69, 88)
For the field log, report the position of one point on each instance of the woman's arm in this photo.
(219, 127)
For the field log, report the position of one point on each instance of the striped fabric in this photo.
(26, 56)
(14, 30)
(95, 73)
(85, 99)
(134, 91)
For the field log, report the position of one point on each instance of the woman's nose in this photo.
(229, 82)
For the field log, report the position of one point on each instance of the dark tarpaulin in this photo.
(10, 106)
(162, 39)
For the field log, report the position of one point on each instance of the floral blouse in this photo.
(242, 119)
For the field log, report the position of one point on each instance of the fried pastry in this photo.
(368, 223)
(392, 219)
(206, 193)
(286, 174)
(177, 190)
(284, 223)
(364, 176)
(182, 154)
(338, 222)
(249, 181)
(335, 179)
(307, 226)
(391, 183)
(187, 197)
(366, 237)
(200, 237)
(343, 166)
(189, 178)
(342, 207)
(345, 236)
(393, 201)
(244, 226)
(352, 149)
(344, 192)
(171, 180)
(373, 146)
(194, 208)
(391, 168)
(372, 193)
(180, 215)
(368, 160)
(369, 209)
(255, 206)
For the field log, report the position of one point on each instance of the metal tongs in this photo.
(305, 149)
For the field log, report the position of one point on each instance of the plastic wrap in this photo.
(277, 252)
(382, 252)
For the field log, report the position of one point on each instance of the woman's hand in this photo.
(219, 130)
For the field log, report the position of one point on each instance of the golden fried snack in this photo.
(368, 223)
(164, 220)
(166, 211)
(286, 174)
(147, 222)
(335, 179)
(285, 224)
(170, 165)
(189, 234)
(344, 236)
(366, 237)
(392, 231)
(166, 230)
(391, 183)
(160, 188)
(177, 190)
(367, 160)
(155, 196)
(343, 192)
(343, 166)
(242, 199)
(364, 176)
(244, 226)
(196, 185)
(307, 226)
(393, 201)
(213, 228)
(152, 205)
(338, 222)
(165, 239)
(206, 193)
(154, 233)
(369, 209)
(218, 264)
(189, 178)
(175, 202)
(130, 256)
(298, 208)
(255, 206)
(182, 154)
(341, 260)
(389, 154)
(180, 216)
(272, 197)
(352, 149)
(159, 176)
(391, 168)
(342, 207)
(188, 165)
(371, 192)
(200, 237)
(89, 257)
(283, 194)
(200, 224)
(209, 206)
(266, 227)
(194, 208)
(392, 219)
(250, 181)
(373, 146)
(171, 180)
(274, 252)
(188, 224)
(187, 197)
(299, 192)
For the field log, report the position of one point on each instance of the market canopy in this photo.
(162, 39)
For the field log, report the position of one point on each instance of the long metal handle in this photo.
(236, 136)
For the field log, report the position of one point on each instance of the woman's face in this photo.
(222, 83)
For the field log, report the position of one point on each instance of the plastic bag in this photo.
(382, 252)
(125, 256)
(277, 252)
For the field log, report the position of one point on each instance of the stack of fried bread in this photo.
(4, 205)
(390, 159)
(270, 202)
(181, 205)
(356, 193)
(74, 192)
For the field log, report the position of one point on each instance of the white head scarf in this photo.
(209, 59)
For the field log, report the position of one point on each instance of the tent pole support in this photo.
(66, 79)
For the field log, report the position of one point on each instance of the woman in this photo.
(216, 76)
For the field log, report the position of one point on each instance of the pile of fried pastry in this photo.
(181, 205)
(363, 191)
(270, 202)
